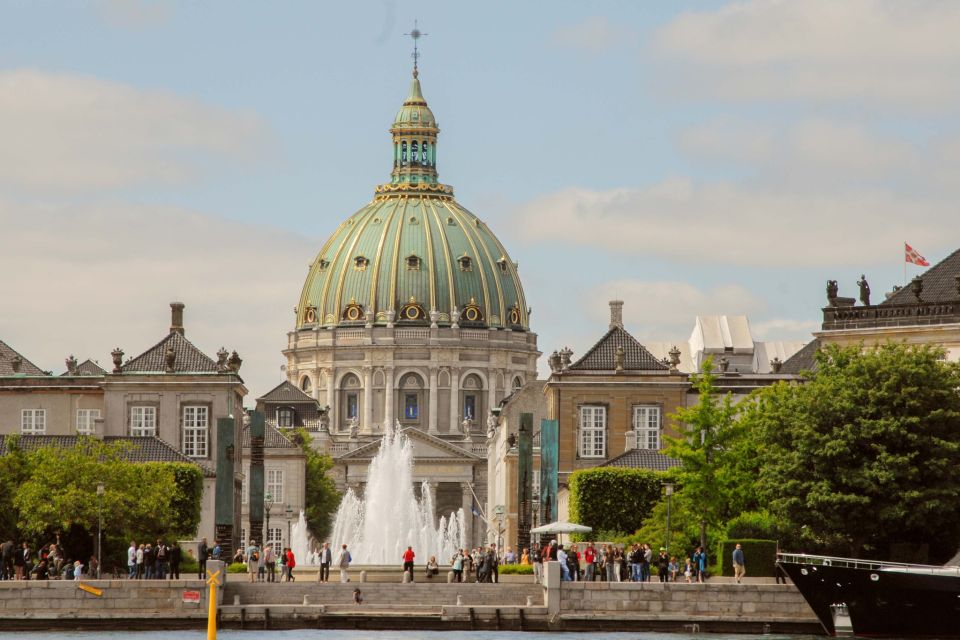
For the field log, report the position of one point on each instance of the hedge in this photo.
(237, 567)
(614, 498)
(759, 556)
(515, 569)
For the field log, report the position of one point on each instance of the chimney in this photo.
(616, 313)
(176, 317)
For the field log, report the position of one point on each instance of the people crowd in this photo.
(614, 563)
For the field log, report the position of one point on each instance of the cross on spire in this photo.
(415, 35)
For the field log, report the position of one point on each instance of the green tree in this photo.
(613, 499)
(866, 453)
(713, 479)
(322, 497)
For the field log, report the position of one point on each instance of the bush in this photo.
(756, 525)
(759, 556)
(237, 567)
(613, 498)
(516, 569)
(189, 565)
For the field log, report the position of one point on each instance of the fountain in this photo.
(300, 543)
(379, 528)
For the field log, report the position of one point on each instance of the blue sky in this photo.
(690, 157)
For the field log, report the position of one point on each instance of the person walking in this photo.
(408, 557)
(291, 564)
(253, 560)
(203, 552)
(343, 561)
(739, 567)
(326, 559)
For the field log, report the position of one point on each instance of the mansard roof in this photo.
(602, 356)
(189, 358)
(286, 392)
(7, 356)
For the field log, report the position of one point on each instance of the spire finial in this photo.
(415, 35)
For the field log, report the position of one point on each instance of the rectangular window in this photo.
(353, 405)
(469, 406)
(275, 536)
(275, 484)
(536, 482)
(646, 426)
(143, 421)
(85, 421)
(33, 422)
(285, 417)
(196, 422)
(411, 406)
(593, 432)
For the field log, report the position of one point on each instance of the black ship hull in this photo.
(881, 599)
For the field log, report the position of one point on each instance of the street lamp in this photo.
(267, 502)
(668, 489)
(289, 512)
(101, 489)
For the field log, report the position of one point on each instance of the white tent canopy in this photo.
(561, 527)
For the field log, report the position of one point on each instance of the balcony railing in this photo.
(351, 335)
(891, 315)
(475, 334)
(412, 334)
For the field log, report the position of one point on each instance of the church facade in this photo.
(412, 314)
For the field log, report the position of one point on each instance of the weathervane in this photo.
(416, 34)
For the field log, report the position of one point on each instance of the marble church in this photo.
(413, 313)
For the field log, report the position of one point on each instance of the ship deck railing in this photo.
(868, 565)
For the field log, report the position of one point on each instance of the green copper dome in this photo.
(413, 255)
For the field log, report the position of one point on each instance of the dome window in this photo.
(466, 263)
(451, 222)
(311, 315)
(360, 263)
(413, 263)
(353, 312)
(514, 315)
(412, 312)
(323, 264)
(413, 152)
(403, 153)
(472, 313)
(502, 263)
(423, 153)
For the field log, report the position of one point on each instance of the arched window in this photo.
(517, 384)
(423, 153)
(413, 152)
(403, 153)
(305, 384)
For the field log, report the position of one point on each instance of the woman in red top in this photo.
(408, 557)
(291, 563)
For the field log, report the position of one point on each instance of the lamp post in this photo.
(289, 512)
(267, 503)
(101, 489)
(668, 489)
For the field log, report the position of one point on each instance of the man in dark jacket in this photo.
(6, 557)
(203, 552)
(494, 563)
(174, 554)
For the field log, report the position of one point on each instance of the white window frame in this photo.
(143, 420)
(274, 484)
(282, 413)
(592, 434)
(196, 430)
(647, 426)
(33, 422)
(274, 535)
(85, 421)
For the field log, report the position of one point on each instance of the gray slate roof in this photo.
(88, 368)
(939, 283)
(189, 358)
(286, 392)
(273, 439)
(7, 354)
(643, 459)
(802, 360)
(144, 449)
(600, 357)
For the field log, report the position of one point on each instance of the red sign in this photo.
(191, 596)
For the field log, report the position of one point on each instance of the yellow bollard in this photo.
(212, 609)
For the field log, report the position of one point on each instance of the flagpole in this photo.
(904, 263)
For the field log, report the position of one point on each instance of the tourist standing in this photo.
(663, 565)
(132, 560)
(494, 574)
(216, 552)
(203, 552)
(408, 557)
(343, 562)
(150, 561)
(140, 569)
(645, 569)
(700, 564)
(564, 567)
(291, 564)
(536, 556)
(739, 567)
(270, 562)
(174, 555)
(589, 558)
(253, 559)
(457, 565)
(161, 560)
(326, 559)
(283, 564)
(6, 557)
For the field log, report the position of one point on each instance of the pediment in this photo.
(425, 447)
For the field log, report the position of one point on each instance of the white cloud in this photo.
(71, 132)
(664, 310)
(901, 53)
(681, 220)
(594, 34)
(84, 279)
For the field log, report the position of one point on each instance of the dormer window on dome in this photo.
(310, 317)
(472, 313)
(465, 262)
(502, 263)
(360, 263)
(412, 312)
(413, 263)
(353, 312)
(514, 315)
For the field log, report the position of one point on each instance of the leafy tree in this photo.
(613, 499)
(14, 471)
(322, 497)
(714, 483)
(866, 453)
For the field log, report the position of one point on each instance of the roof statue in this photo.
(864, 290)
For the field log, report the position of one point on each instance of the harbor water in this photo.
(327, 634)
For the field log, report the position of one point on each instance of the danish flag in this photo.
(910, 255)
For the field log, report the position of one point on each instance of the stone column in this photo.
(367, 425)
(491, 391)
(331, 400)
(388, 418)
(454, 401)
(432, 403)
(467, 513)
